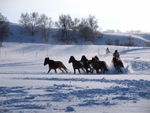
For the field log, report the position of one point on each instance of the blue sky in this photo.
(111, 14)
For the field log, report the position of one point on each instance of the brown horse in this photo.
(76, 64)
(99, 65)
(118, 64)
(54, 65)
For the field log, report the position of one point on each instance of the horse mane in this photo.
(72, 57)
(47, 58)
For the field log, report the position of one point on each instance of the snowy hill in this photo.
(26, 87)
(108, 38)
(18, 36)
(125, 39)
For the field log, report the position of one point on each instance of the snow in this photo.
(26, 87)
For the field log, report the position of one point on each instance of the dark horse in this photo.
(54, 65)
(99, 65)
(86, 64)
(76, 64)
(118, 64)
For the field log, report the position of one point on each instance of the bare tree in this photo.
(88, 28)
(4, 28)
(30, 22)
(34, 22)
(25, 21)
(75, 25)
(45, 25)
(64, 24)
(92, 22)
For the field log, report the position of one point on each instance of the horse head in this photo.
(96, 58)
(93, 59)
(72, 59)
(46, 61)
(84, 59)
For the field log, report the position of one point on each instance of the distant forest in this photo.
(67, 29)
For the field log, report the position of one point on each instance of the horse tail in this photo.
(64, 67)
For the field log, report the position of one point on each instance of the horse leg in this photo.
(92, 70)
(97, 71)
(61, 70)
(65, 70)
(119, 69)
(82, 69)
(55, 70)
(74, 71)
(87, 71)
(123, 69)
(103, 70)
(49, 70)
(79, 70)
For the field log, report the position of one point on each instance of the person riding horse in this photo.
(118, 64)
(116, 54)
(107, 51)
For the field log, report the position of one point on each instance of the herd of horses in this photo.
(87, 66)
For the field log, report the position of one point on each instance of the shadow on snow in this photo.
(17, 98)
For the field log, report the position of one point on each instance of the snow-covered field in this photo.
(26, 87)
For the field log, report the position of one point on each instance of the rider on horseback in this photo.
(116, 54)
(118, 64)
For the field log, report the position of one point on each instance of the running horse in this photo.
(86, 64)
(55, 65)
(76, 64)
(99, 66)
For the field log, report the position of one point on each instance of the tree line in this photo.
(68, 29)
(4, 29)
